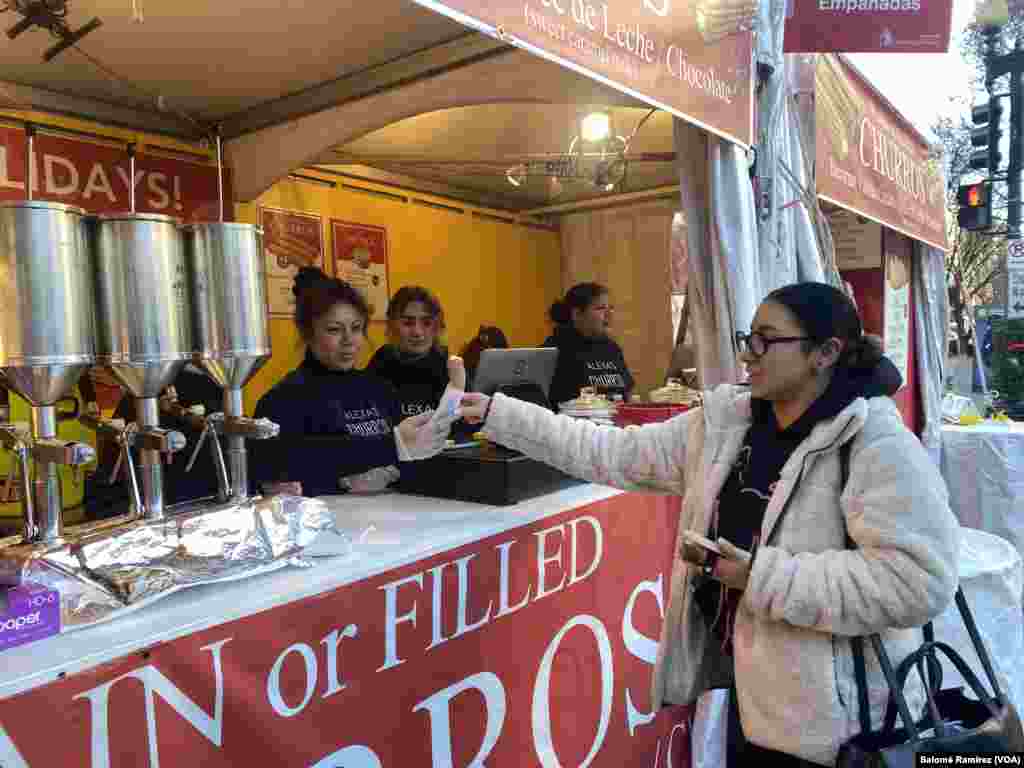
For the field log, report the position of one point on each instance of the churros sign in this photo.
(869, 161)
(689, 57)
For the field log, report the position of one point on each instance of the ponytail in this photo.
(863, 354)
(560, 313)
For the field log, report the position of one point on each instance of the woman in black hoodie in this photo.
(341, 428)
(414, 363)
(587, 356)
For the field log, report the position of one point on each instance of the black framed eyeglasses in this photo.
(757, 344)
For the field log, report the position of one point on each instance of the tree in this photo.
(974, 260)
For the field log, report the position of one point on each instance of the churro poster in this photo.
(290, 240)
(691, 58)
(361, 259)
(870, 160)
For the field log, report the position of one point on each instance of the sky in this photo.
(921, 85)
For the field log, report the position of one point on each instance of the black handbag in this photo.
(952, 723)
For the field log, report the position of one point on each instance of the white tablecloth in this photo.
(992, 578)
(984, 470)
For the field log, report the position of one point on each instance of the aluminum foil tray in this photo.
(106, 572)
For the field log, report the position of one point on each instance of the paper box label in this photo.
(28, 613)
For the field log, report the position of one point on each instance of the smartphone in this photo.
(694, 538)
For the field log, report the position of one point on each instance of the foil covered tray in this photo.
(107, 570)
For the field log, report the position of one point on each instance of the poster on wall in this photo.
(95, 176)
(857, 240)
(361, 259)
(290, 240)
(897, 311)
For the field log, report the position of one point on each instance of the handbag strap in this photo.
(860, 672)
(857, 641)
(933, 680)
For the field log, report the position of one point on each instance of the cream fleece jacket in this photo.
(807, 593)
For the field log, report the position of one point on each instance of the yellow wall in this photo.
(483, 271)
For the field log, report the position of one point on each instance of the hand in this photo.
(474, 407)
(731, 569)
(420, 437)
(293, 488)
(371, 481)
(456, 373)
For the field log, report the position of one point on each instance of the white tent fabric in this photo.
(732, 206)
(931, 329)
(709, 284)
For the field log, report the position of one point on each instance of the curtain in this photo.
(931, 329)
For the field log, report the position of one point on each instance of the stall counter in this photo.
(525, 635)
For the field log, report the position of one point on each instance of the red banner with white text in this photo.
(868, 26)
(94, 176)
(869, 160)
(531, 648)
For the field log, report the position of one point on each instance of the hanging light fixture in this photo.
(595, 127)
(516, 175)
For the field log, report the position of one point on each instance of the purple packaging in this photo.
(28, 613)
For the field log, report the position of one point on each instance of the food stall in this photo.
(312, 632)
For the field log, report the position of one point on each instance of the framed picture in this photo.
(361, 259)
(290, 240)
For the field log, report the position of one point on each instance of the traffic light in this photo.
(975, 201)
(985, 136)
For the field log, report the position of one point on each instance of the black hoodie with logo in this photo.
(587, 362)
(333, 424)
(419, 381)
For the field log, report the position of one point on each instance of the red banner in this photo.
(94, 176)
(688, 57)
(531, 648)
(868, 26)
(870, 161)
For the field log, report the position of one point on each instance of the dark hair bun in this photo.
(865, 353)
(560, 313)
(305, 278)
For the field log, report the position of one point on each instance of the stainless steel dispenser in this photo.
(144, 329)
(229, 286)
(46, 342)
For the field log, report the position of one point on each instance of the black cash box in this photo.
(485, 474)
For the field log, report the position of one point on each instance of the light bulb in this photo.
(596, 126)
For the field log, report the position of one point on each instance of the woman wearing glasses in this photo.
(772, 621)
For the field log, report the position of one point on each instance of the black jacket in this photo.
(585, 362)
(419, 381)
(333, 424)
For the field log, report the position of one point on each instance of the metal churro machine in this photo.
(142, 296)
(46, 343)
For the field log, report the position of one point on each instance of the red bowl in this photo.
(647, 413)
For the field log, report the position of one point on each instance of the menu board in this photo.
(361, 259)
(857, 240)
(897, 311)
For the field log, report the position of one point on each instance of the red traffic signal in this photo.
(975, 206)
